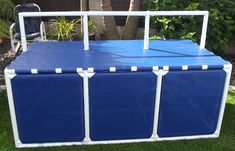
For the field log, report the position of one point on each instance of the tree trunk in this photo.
(83, 7)
(131, 25)
(110, 28)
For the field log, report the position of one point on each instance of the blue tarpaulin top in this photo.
(121, 54)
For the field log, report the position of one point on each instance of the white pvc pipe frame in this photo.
(85, 14)
(86, 74)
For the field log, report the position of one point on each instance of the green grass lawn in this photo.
(226, 141)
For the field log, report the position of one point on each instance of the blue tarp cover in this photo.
(49, 107)
(122, 54)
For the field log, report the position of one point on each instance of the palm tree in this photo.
(110, 28)
(131, 25)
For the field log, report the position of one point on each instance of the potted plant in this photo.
(93, 34)
(63, 29)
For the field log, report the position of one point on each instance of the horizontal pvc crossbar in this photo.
(85, 14)
(113, 13)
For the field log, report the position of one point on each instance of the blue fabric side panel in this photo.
(49, 108)
(190, 102)
(121, 105)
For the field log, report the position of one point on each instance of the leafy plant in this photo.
(92, 29)
(4, 29)
(6, 13)
(7, 10)
(64, 29)
(220, 28)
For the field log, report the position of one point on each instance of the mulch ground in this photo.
(6, 56)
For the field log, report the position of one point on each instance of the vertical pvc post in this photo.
(159, 74)
(10, 74)
(146, 31)
(204, 31)
(86, 106)
(228, 70)
(22, 33)
(85, 32)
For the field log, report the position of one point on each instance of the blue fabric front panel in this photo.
(190, 102)
(121, 105)
(49, 108)
(121, 54)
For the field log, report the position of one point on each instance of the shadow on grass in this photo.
(226, 141)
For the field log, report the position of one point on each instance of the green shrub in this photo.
(7, 10)
(4, 29)
(6, 13)
(220, 28)
(63, 29)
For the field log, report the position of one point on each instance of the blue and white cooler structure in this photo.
(115, 91)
